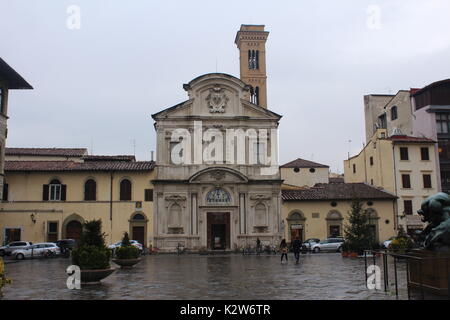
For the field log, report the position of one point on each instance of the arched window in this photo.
(138, 216)
(125, 190)
(394, 113)
(90, 190)
(253, 59)
(218, 196)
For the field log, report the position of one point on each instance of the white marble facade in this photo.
(225, 191)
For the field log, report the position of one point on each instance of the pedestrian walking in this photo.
(284, 250)
(258, 246)
(297, 247)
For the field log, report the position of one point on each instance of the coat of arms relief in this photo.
(217, 100)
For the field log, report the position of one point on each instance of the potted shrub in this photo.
(92, 255)
(401, 245)
(345, 249)
(127, 255)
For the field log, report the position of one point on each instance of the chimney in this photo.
(152, 153)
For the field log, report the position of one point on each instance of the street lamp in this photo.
(33, 218)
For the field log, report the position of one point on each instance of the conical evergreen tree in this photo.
(358, 234)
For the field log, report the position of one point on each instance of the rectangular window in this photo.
(52, 231)
(354, 168)
(5, 192)
(12, 234)
(55, 192)
(407, 207)
(424, 154)
(442, 123)
(404, 153)
(371, 161)
(148, 195)
(427, 181)
(406, 181)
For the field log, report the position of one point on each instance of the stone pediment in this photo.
(218, 96)
(218, 175)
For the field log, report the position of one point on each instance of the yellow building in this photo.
(402, 165)
(315, 206)
(51, 192)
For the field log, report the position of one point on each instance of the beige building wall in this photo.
(316, 225)
(387, 169)
(374, 107)
(402, 102)
(304, 177)
(25, 199)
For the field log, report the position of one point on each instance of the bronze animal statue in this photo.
(435, 210)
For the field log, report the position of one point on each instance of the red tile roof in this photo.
(110, 158)
(336, 191)
(43, 166)
(302, 163)
(64, 152)
(399, 138)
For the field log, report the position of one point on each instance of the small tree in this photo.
(127, 250)
(92, 253)
(358, 234)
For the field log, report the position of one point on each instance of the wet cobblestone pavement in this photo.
(317, 276)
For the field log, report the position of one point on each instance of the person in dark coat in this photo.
(297, 247)
(284, 250)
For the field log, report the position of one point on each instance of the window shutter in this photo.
(45, 191)
(148, 194)
(63, 192)
(5, 192)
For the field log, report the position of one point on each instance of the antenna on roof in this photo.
(134, 147)
(92, 146)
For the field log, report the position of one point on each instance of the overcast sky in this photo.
(97, 86)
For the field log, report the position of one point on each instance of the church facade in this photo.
(217, 184)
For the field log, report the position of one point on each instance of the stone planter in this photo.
(126, 263)
(94, 276)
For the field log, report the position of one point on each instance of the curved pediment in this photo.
(218, 175)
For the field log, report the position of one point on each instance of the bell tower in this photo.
(251, 42)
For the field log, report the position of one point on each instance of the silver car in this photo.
(310, 242)
(12, 246)
(330, 244)
(38, 250)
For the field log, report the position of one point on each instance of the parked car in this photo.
(330, 244)
(10, 247)
(135, 243)
(308, 243)
(66, 244)
(38, 250)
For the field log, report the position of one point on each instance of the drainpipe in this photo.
(111, 203)
(396, 222)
